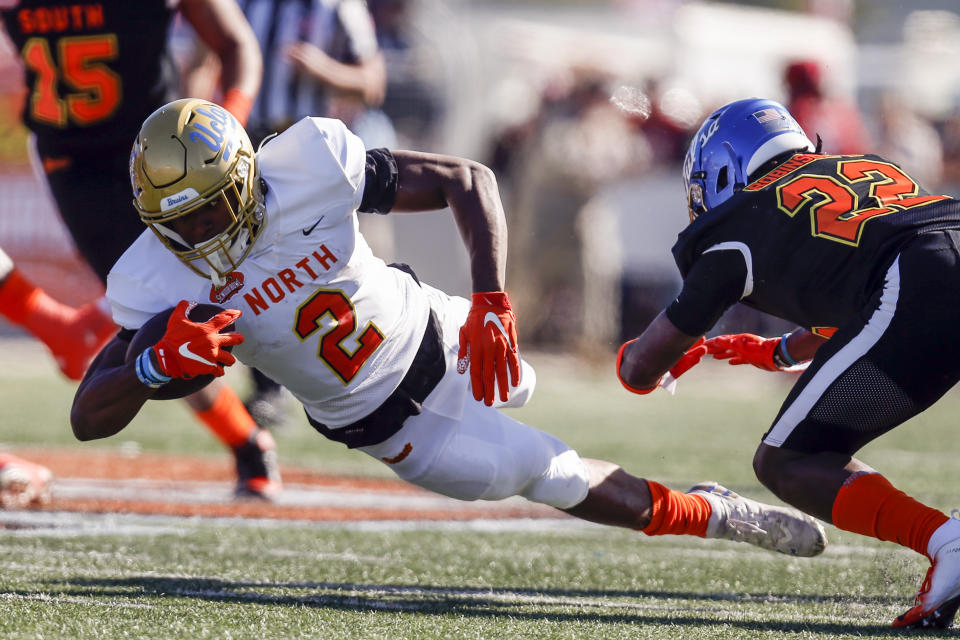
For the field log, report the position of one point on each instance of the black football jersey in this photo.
(94, 70)
(809, 241)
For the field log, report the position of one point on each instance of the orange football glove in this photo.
(190, 348)
(686, 362)
(488, 346)
(745, 348)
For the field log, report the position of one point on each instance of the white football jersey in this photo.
(322, 315)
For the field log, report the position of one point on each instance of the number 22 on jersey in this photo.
(835, 210)
(333, 343)
(80, 64)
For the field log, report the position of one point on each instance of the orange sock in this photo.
(673, 512)
(869, 505)
(228, 419)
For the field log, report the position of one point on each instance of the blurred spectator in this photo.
(566, 283)
(673, 116)
(320, 58)
(836, 121)
(951, 152)
(412, 100)
(909, 140)
(667, 117)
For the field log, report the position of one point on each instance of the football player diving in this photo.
(374, 355)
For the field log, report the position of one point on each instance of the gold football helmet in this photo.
(188, 154)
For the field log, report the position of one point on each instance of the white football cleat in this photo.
(939, 596)
(23, 483)
(740, 519)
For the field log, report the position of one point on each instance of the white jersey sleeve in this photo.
(148, 279)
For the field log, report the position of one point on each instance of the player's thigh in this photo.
(873, 376)
(95, 202)
(484, 455)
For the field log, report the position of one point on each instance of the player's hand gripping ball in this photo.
(192, 345)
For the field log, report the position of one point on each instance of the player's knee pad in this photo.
(534, 464)
(563, 485)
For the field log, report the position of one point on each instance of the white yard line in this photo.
(43, 597)
(71, 524)
(293, 495)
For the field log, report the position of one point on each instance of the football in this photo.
(151, 333)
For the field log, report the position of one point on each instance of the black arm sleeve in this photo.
(380, 183)
(714, 283)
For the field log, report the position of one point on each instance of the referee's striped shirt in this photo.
(343, 29)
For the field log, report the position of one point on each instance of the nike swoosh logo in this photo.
(492, 318)
(310, 229)
(186, 353)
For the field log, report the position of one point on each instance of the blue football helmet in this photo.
(731, 144)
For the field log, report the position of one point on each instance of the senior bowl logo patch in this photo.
(221, 294)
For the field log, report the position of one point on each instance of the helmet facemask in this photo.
(217, 257)
(191, 154)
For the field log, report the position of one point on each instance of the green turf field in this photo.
(154, 577)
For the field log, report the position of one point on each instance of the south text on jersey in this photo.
(60, 18)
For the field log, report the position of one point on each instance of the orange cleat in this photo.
(258, 472)
(23, 484)
(939, 596)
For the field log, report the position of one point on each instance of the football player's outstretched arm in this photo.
(110, 394)
(427, 182)
(488, 339)
(771, 354)
(642, 362)
(221, 25)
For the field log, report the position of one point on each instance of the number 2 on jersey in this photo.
(835, 211)
(80, 65)
(333, 350)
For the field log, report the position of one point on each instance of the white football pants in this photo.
(464, 449)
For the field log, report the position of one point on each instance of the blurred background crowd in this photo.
(584, 110)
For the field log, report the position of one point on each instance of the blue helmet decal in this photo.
(733, 142)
